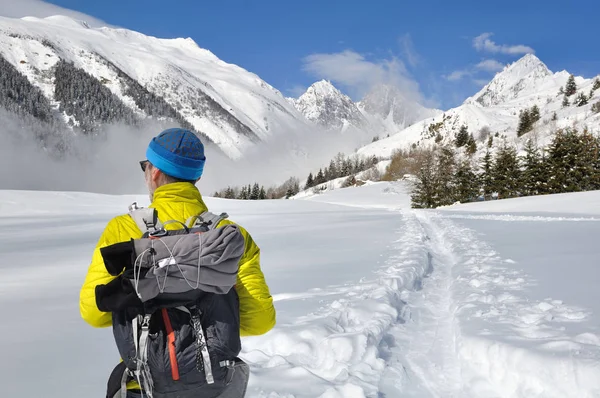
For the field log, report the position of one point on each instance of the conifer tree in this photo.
(465, 182)
(561, 91)
(309, 181)
(486, 176)
(531, 176)
(471, 146)
(229, 193)
(524, 123)
(255, 193)
(332, 171)
(505, 172)
(244, 193)
(581, 100)
(263, 194)
(462, 137)
(423, 195)
(444, 181)
(320, 179)
(596, 85)
(534, 114)
(571, 87)
(565, 102)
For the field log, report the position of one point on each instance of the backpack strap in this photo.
(207, 219)
(146, 219)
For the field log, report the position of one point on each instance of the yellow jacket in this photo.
(179, 201)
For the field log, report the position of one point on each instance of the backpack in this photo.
(175, 311)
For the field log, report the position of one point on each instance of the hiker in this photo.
(175, 162)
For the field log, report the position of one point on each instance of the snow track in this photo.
(347, 348)
(505, 343)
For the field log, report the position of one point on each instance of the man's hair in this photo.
(170, 179)
(167, 179)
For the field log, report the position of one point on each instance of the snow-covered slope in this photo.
(233, 107)
(495, 109)
(325, 105)
(373, 299)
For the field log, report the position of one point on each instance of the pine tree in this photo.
(524, 123)
(243, 193)
(229, 193)
(486, 177)
(471, 146)
(320, 179)
(309, 181)
(462, 137)
(423, 194)
(490, 141)
(571, 87)
(561, 91)
(581, 100)
(332, 171)
(505, 172)
(263, 194)
(534, 114)
(554, 117)
(572, 158)
(596, 84)
(565, 102)
(465, 183)
(255, 193)
(444, 184)
(531, 177)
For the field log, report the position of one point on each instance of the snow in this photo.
(176, 69)
(373, 298)
(325, 105)
(521, 85)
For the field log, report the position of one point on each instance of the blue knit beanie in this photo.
(178, 153)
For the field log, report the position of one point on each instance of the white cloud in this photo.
(409, 51)
(357, 74)
(41, 9)
(483, 43)
(490, 65)
(457, 75)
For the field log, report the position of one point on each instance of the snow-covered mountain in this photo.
(233, 107)
(384, 110)
(327, 106)
(496, 107)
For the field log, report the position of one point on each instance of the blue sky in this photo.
(439, 52)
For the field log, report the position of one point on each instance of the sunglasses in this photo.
(144, 164)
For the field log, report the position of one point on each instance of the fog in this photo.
(109, 163)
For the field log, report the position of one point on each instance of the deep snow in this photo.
(374, 299)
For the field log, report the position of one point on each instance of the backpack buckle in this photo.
(158, 233)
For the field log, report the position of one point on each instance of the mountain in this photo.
(143, 77)
(384, 110)
(326, 106)
(516, 80)
(495, 110)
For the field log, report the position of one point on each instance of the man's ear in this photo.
(155, 175)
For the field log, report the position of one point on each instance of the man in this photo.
(175, 162)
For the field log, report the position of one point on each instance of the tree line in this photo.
(340, 166)
(571, 163)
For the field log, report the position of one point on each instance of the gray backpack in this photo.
(174, 307)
